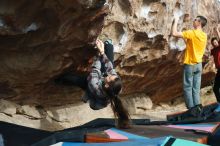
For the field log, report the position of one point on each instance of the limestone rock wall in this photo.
(148, 58)
(47, 118)
(42, 39)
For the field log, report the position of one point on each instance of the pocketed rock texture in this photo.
(42, 39)
(148, 58)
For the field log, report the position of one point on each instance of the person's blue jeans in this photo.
(191, 84)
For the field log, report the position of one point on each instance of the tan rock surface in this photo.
(149, 60)
(42, 39)
(57, 118)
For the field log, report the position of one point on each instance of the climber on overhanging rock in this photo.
(196, 41)
(103, 85)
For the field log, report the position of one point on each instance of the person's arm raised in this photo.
(104, 59)
(218, 31)
(174, 31)
(100, 46)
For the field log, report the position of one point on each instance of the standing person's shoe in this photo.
(196, 111)
(217, 109)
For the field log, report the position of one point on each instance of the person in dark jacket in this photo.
(215, 52)
(103, 85)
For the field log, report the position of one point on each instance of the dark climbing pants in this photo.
(216, 87)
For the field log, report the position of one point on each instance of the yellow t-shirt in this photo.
(195, 46)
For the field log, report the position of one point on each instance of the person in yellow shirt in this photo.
(192, 71)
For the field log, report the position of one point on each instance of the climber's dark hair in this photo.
(203, 20)
(213, 39)
(115, 87)
(120, 112)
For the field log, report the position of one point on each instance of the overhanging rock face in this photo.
(149, 59)
(42, 39)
